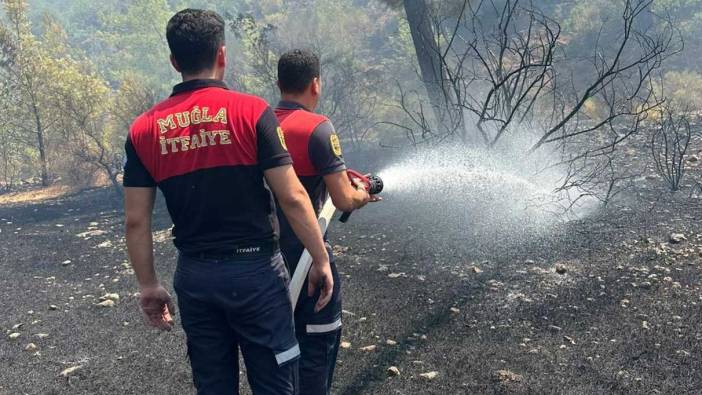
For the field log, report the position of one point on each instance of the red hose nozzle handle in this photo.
(372, 184)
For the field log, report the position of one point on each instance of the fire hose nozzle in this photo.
(372, 183)
(376, 185)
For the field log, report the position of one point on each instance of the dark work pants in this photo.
(319, 334)
(242, 303)
(318, 360)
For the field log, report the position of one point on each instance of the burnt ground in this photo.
(488, 313)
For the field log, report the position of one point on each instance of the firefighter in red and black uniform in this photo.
(318, 162)
(214, 153)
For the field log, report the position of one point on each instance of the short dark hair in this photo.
(194, 36)
(296, 70)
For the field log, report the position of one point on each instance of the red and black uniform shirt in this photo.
(315, 151)
(206, 148)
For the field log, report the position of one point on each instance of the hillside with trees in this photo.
(397, 74)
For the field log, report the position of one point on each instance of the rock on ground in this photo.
(110, 296)
(677, 238)
(69, 371)
(429, 375)
(507, 375)
(393, 371)
(91, 233)
(107, 303)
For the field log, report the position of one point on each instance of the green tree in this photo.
(27, 73)
(134, 42)
(54, 94)
(90, 134)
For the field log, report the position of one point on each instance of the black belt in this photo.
(268, 248)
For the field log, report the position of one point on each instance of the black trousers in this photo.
(238, 303)
(318, 360)
(319, 334)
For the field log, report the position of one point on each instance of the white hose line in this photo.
(303, 266)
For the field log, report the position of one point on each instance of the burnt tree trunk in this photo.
(116, 185)
(41, 146)
(428, 57)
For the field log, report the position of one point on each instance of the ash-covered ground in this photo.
(605, 303)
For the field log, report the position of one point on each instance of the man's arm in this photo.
(155, 301)
(296, 205)
(139, 195)
(345, 196)
(326, 155)
(138, 206)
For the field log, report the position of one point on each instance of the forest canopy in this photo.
(397, 74)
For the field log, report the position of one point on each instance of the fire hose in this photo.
(373, 185)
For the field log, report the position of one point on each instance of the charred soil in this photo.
(605, 304)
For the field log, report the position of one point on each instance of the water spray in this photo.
(492, 193)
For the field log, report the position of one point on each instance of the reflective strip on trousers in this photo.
(325, 327)
(287, 355)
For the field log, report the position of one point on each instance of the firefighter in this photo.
(319, 163)
(214, 153)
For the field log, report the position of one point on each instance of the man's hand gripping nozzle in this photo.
(373, 185)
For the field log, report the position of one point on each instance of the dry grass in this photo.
(35, 195)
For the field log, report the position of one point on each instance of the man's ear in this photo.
(316, 87)
(175, 63)
(222, 56)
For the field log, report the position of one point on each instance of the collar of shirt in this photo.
(197, 84)
(291, 105)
